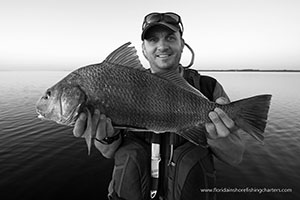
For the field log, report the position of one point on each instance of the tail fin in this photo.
(252, 114)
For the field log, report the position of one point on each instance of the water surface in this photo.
(43, 160)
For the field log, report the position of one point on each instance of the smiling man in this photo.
(184, 168)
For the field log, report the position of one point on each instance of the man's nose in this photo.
(162, 45)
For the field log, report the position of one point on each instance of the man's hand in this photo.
(99, 125)
(95, 126)
(221, 125)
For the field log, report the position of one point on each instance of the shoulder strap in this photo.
(205, 84)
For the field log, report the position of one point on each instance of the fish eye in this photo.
(47, 95)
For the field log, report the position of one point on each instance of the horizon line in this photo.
(212, 70)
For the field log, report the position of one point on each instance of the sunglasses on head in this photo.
(169, 17)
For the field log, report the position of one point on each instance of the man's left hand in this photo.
(221, 125)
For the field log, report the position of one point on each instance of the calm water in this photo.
(43, 160)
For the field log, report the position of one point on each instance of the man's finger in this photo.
(101, 128)
(222, 130)
(109, 128)
(222, 100)
(229, 123)
(211, 130)
(80, 125)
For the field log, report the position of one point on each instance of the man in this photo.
(162, 46)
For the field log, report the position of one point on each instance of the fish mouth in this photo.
(40, 114)
(69, 120)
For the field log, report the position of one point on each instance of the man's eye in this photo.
(152, 39)
(171, 38)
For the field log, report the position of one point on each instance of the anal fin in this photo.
(196, 135)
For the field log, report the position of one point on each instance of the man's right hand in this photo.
(98, 125)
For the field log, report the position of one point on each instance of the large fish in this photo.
(135, 99)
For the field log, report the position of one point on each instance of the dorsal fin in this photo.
(125, 56)
(177, 79)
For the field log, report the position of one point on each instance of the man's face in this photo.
(162, 47)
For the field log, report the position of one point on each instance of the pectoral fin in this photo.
(88, 132)
(88, 139)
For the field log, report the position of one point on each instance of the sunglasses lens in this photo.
(170, 18)
(155, 17)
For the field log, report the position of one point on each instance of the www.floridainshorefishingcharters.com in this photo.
(247, 189)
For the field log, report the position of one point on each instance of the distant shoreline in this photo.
(247, 70)
(199, 70)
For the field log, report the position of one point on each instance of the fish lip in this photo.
(40, 116)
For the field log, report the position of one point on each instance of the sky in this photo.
(224, 34)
